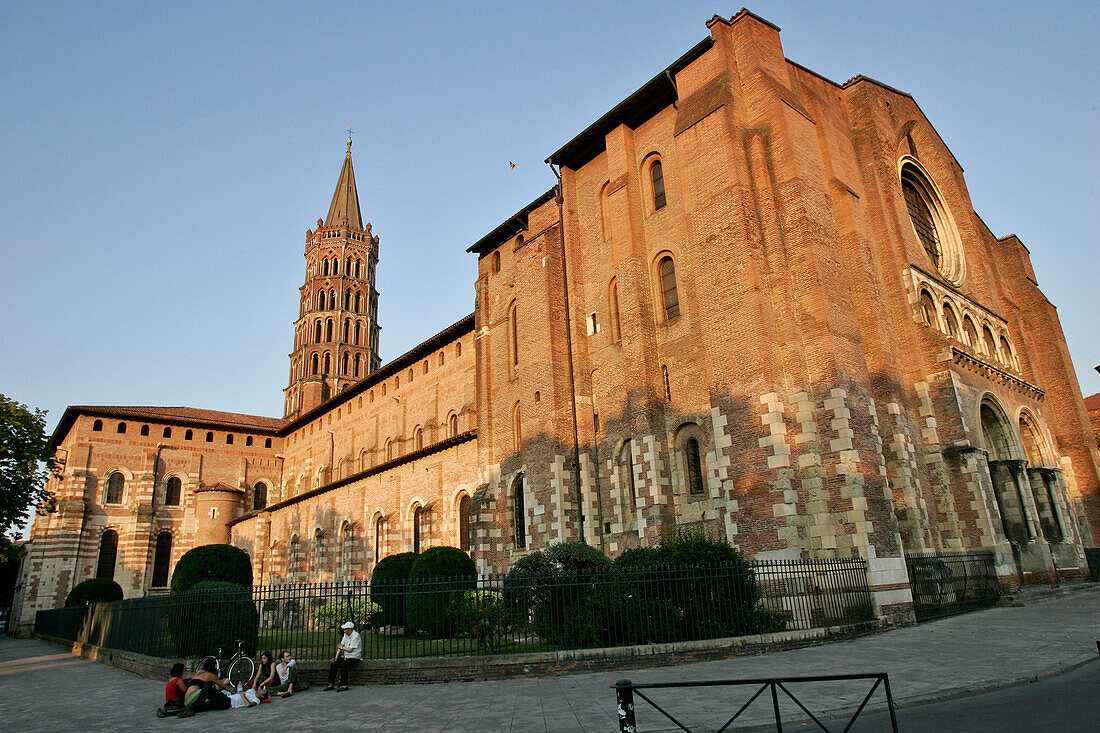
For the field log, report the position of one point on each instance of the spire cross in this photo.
(349, 138)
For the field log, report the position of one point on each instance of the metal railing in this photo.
(625, 691)
(491, 614)
(944, 584)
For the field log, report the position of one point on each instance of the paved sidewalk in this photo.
(43, 688)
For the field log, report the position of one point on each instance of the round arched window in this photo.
(932, 222)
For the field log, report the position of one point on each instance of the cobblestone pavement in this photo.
(45, 688)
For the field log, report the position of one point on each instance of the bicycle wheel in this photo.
(241, 671)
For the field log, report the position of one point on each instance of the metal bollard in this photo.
(625, 695)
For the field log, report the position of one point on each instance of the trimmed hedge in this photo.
(221, 563)
(387, 587)
(437, 580)
(94, 590)
(213, 614)
(364, 613)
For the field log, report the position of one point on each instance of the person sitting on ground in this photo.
(266, 676)
(349, 652)
(173, 692)
(204, 691)
(289, 682)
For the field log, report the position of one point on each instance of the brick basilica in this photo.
(759, 302)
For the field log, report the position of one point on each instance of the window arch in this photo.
(344, 361)
(209, 437)
(167, 433)
(173, 491)
(971, 334)
(328, 330)
(188, 434)
(379, 538)
(116, 484)
(389, 451)
(458, 349)
(162, 559)
(452, 425)
(358, 328)
(318, 331)
(327, 368)
(418, 438)
(989, 342)
(519, 514)
(613, 309)
(229, 438)
(670, 298)
(1001, 463)
(313, 364)
(320, 300)
(347, 546)
(605, 213)
(267, 442)
(347, 299)
(465, 542)
(347, 266)
(657, 177)
(259, 496)
(121, 428)
(928, 309)
(513, 336)
(144, 430)
(97, 426)
(627, 491)
(517, 434)
(951, 321)
(932, 222)
(694, 460)
(494, 262)
(108, 551)
(417, 518)
(355, 363)
(317, 551)
(347, 329)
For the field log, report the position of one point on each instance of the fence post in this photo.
(624, 692)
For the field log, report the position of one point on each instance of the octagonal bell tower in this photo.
(336, 334)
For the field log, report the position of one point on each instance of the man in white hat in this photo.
(349, 652)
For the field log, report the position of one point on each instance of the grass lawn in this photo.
(307, 645)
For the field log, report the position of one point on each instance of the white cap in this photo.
(347, 625)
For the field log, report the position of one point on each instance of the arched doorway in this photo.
(1042, 478)
(1005, 465)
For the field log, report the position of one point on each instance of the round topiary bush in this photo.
(213, 614)
(437, 581)
(222, 563)
(94, 590)
(363, 613)
(387, 587)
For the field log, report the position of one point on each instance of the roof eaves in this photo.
(509, 228)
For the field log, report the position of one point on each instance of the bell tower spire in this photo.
(336, 334)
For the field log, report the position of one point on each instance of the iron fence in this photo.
(491, 614)
(944, 584)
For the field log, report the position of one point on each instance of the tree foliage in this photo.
(94, 590)
(224, 563)
(25, 462)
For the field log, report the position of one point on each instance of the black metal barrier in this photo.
(947, 583)
(625, 690)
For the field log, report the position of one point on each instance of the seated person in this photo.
(173, 692)
(266, 676)
(204, 691)
(289, 682)
(349, 653)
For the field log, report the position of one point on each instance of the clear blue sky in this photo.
(160, 162)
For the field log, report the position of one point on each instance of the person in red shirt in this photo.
(173, 692)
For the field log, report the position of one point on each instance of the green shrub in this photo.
(556, 591)
(213, 614)
(94, 590)
(387, 587)
(363, 612)
(222, 563)
(436, 582)
(717, 598)
(483, 615)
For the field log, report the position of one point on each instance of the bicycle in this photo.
(238, 669)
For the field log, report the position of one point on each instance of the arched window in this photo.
(932, 222)
(356, 365)
(379, 538)
(188, 434)
(517, 437)
(324, 266)
(317, 551)
(108, 551)
(347, 299)
(657, 174)
(259, 496)
(626, 482)
(494, 262)
(452, 425)
(412, 373)
(173, 491)
(389, 450)
(605, 214)
(332, 299)
(464, 535)
(328, 330)
(121, 428)
(318, 331)
(1006, 352)
(248, 441)
(1002, 460)
(144, 430)
(669, 296)
(358, 328)
(693, 466)
(267, 443)
(347, 266)
(209, 437)
(229, 438)
(928, 309)
(357, 302)
(357, 263)
(951, 321)
(97, 426)
(320, 300)
(1041, 481)
(921, 216)
(418, 438)
(293, 558)
(519, 514)
(347, 546)
(313, 364)
(613, 309)
(347, 329)
(162, 559)
(167, 433)
(417, 516)
(990, 342)
(971, 334)
(327, 368)
(513, 336)
(458, 349)
(344, 363)
(116, 483)
(364, 460)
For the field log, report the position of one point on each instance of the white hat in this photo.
(347, 625)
